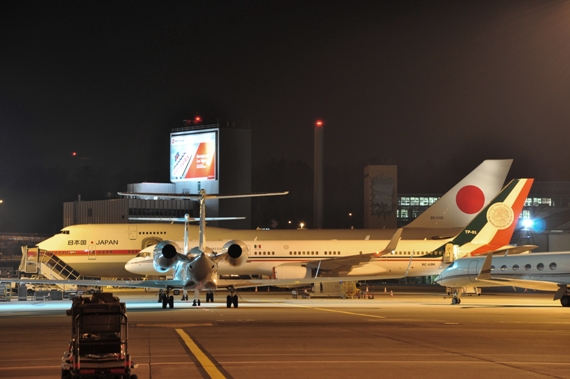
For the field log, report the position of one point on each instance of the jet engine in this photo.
(237, 253)
(164, 256)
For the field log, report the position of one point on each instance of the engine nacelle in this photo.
(237, 253)
(291, 272)
(164, 256)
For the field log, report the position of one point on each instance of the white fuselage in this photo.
(547, 267)
(287, 259)
(102, 250)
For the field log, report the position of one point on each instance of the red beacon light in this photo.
(197, 119)
(319, 123)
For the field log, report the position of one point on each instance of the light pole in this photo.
(350, 220)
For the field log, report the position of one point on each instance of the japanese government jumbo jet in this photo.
(538, 271)
(102, 250)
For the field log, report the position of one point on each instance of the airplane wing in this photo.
(100, 283)
(485, 276)
(523, 283)
(161, 284)
(343, 265)
(250, 283)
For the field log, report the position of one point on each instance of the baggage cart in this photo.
(99, 339)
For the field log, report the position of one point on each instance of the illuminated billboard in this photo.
(193, 155)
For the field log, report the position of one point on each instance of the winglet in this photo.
(393, 242)
(485, 272)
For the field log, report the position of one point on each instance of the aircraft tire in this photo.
(229, 301)
(235, 301)
(171, 302)
(565, 301)
(164, 302)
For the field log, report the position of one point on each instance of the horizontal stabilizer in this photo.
(147, 195)
(182, 219)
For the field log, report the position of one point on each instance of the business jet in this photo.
(537, 271)
(491, 230)
(102, 250)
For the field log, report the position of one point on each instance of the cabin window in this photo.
(492, 268)
(552, 266)
(540, 266)
(527, 267)
(515, 267)
(504, 268)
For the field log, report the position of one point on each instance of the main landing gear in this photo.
(565, 301)
(166, 298)
(232, 298)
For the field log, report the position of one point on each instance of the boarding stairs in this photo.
(44, 264)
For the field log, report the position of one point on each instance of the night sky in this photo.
(434, 87)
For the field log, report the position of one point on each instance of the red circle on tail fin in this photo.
(470, 199)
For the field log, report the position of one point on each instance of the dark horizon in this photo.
(434, 87)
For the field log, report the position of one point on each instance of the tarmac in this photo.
(406, 331)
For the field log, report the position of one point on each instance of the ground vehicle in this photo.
(99, 339)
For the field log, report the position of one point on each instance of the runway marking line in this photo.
(336, 311)
(206, 363)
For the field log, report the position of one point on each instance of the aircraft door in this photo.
(92, 253)
(132, 232)
(473, 270)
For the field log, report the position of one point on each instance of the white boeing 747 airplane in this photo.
(102, 250)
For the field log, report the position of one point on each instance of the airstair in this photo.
(44, 264)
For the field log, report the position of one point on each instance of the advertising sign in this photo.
(193, 155)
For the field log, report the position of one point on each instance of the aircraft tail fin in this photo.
(460, 204)
(493, 227)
